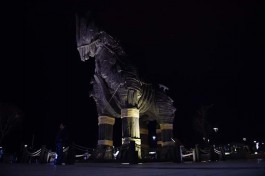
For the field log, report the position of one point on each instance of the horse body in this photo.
(118, 90)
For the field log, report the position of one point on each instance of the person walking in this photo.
(61, 142)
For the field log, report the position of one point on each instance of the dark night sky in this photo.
(205, 52)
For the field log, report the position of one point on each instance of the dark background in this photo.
(205, 52)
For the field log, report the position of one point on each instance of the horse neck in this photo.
(108, 72)
(113, 69)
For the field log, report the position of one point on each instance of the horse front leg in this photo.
(131, 142)
(104, 150)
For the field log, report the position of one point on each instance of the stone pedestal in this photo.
(105, 138)
(130, 128)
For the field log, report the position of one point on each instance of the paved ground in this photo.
(221, 168)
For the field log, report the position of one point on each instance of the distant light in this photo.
(154, 137)
(244, 139)
(152, 152)
(255, 141)
(215, 129)
(208, 140)
(262, 143)
(172, 139)
(256, 153)
(26, 146)
(125, 163)
(257, 145)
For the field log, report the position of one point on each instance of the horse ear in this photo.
(85, 28)
(80, 28)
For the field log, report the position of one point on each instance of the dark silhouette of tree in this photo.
(10, 119)
(201, 125)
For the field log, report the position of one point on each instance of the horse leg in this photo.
(168, 145)
(104, 149)
(144, 138)
(158, 141)
(130, 133)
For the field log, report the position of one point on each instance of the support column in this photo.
(166, 134)
(105, 138)
(144, 142)
(130, 128)
(159, 139)
(168, 146)
(105, 130)
(159, 142)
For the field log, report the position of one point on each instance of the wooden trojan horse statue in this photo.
(119, 93)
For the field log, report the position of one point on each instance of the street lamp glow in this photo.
(154, 137)
(215, 129)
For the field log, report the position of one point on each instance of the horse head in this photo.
(86, 37)
(90, 39)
